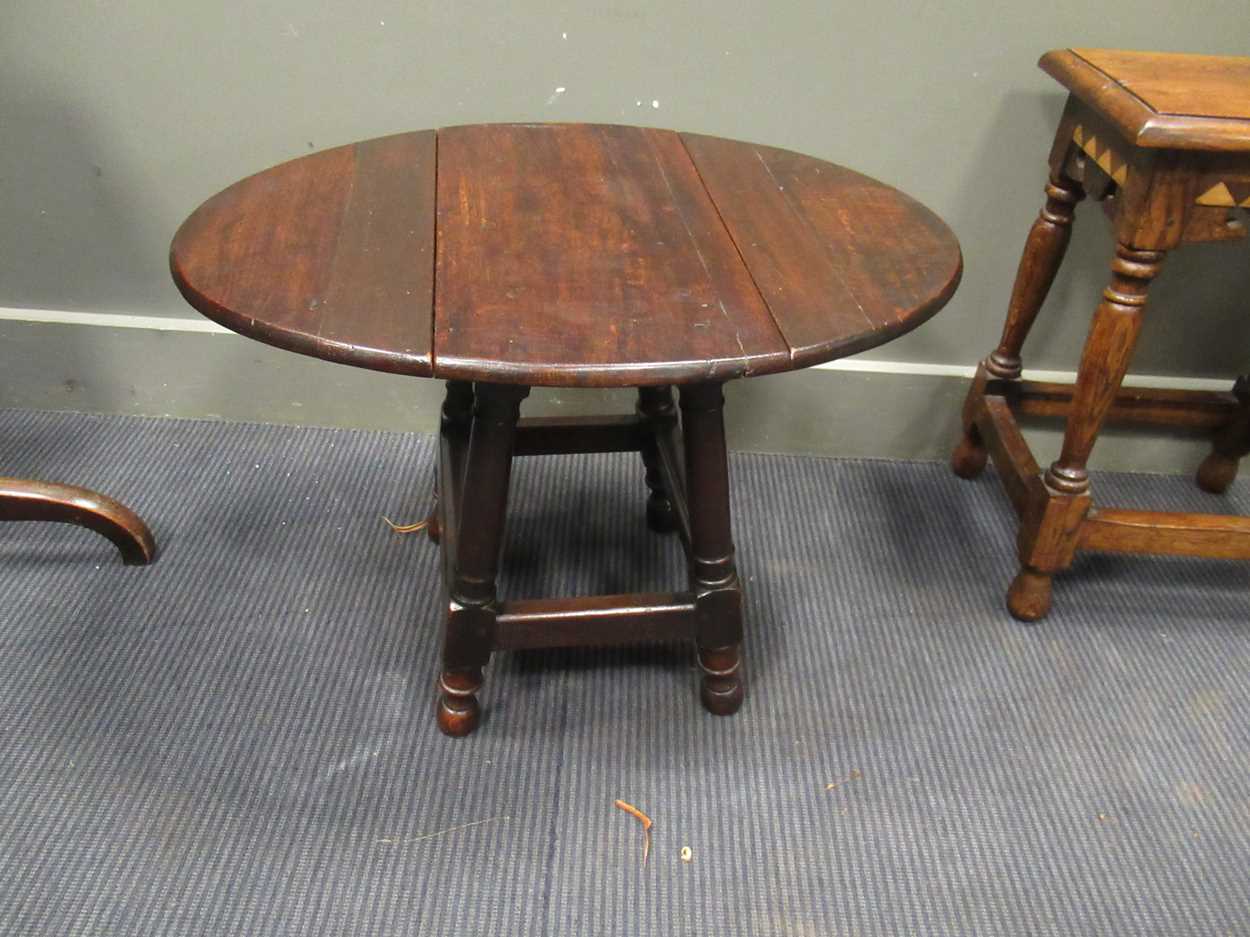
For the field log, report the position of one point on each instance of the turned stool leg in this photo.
(655, 404)
(1218, 469)
(1047, 545)
(713, 577)
(457, 413)
(470, 633)
(1043, 253)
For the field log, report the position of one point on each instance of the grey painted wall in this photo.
(118, 118)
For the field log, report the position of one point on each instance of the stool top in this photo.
(565, 255)
(1162, 99)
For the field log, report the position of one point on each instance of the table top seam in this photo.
(772, 317)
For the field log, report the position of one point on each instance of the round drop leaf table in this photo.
(499, 257)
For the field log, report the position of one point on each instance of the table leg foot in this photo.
(1217, 472)
(723, 689)
(458, 709)
(1029, 596)
(25, 500)
(969, 458)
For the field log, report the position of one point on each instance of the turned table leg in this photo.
(24, 500)
(456, 415)
(473, 604)
(713, 576)
(1048, 540)
(1219, 468)
(1043, 253)
(655, 405)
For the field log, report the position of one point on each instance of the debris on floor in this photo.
(406, 528)
(855, 775)
(646, 826)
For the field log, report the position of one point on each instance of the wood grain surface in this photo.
(1162, 100)
(569, 252)
(1174, 83)
(330, 255)
(843, 262)
(566, 255)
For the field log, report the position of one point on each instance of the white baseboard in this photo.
(856, 364)
(112, 320)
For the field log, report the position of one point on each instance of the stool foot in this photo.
(661, 518)
(1216, 473)
(723, 690)
(458, 709)
(1029, 596)
(969, 458)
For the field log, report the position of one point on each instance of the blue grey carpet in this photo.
(239, 739)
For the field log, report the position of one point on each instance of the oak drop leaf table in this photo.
(501, 257)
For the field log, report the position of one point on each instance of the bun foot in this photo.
(968, 459)
(1216, 473)
(458, 709)
(723, 690)
(661, 518)
(1028, 598)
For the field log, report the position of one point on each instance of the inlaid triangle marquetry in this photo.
(1103, 156)
(1226, 194)
(1218, 195)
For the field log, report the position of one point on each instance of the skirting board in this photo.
(188, 368)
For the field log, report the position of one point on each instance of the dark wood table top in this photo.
(565, 255)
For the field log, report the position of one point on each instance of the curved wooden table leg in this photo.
(25, 500)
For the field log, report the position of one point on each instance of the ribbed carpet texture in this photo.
(240, 739)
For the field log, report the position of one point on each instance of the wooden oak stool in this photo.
(1163, 141)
